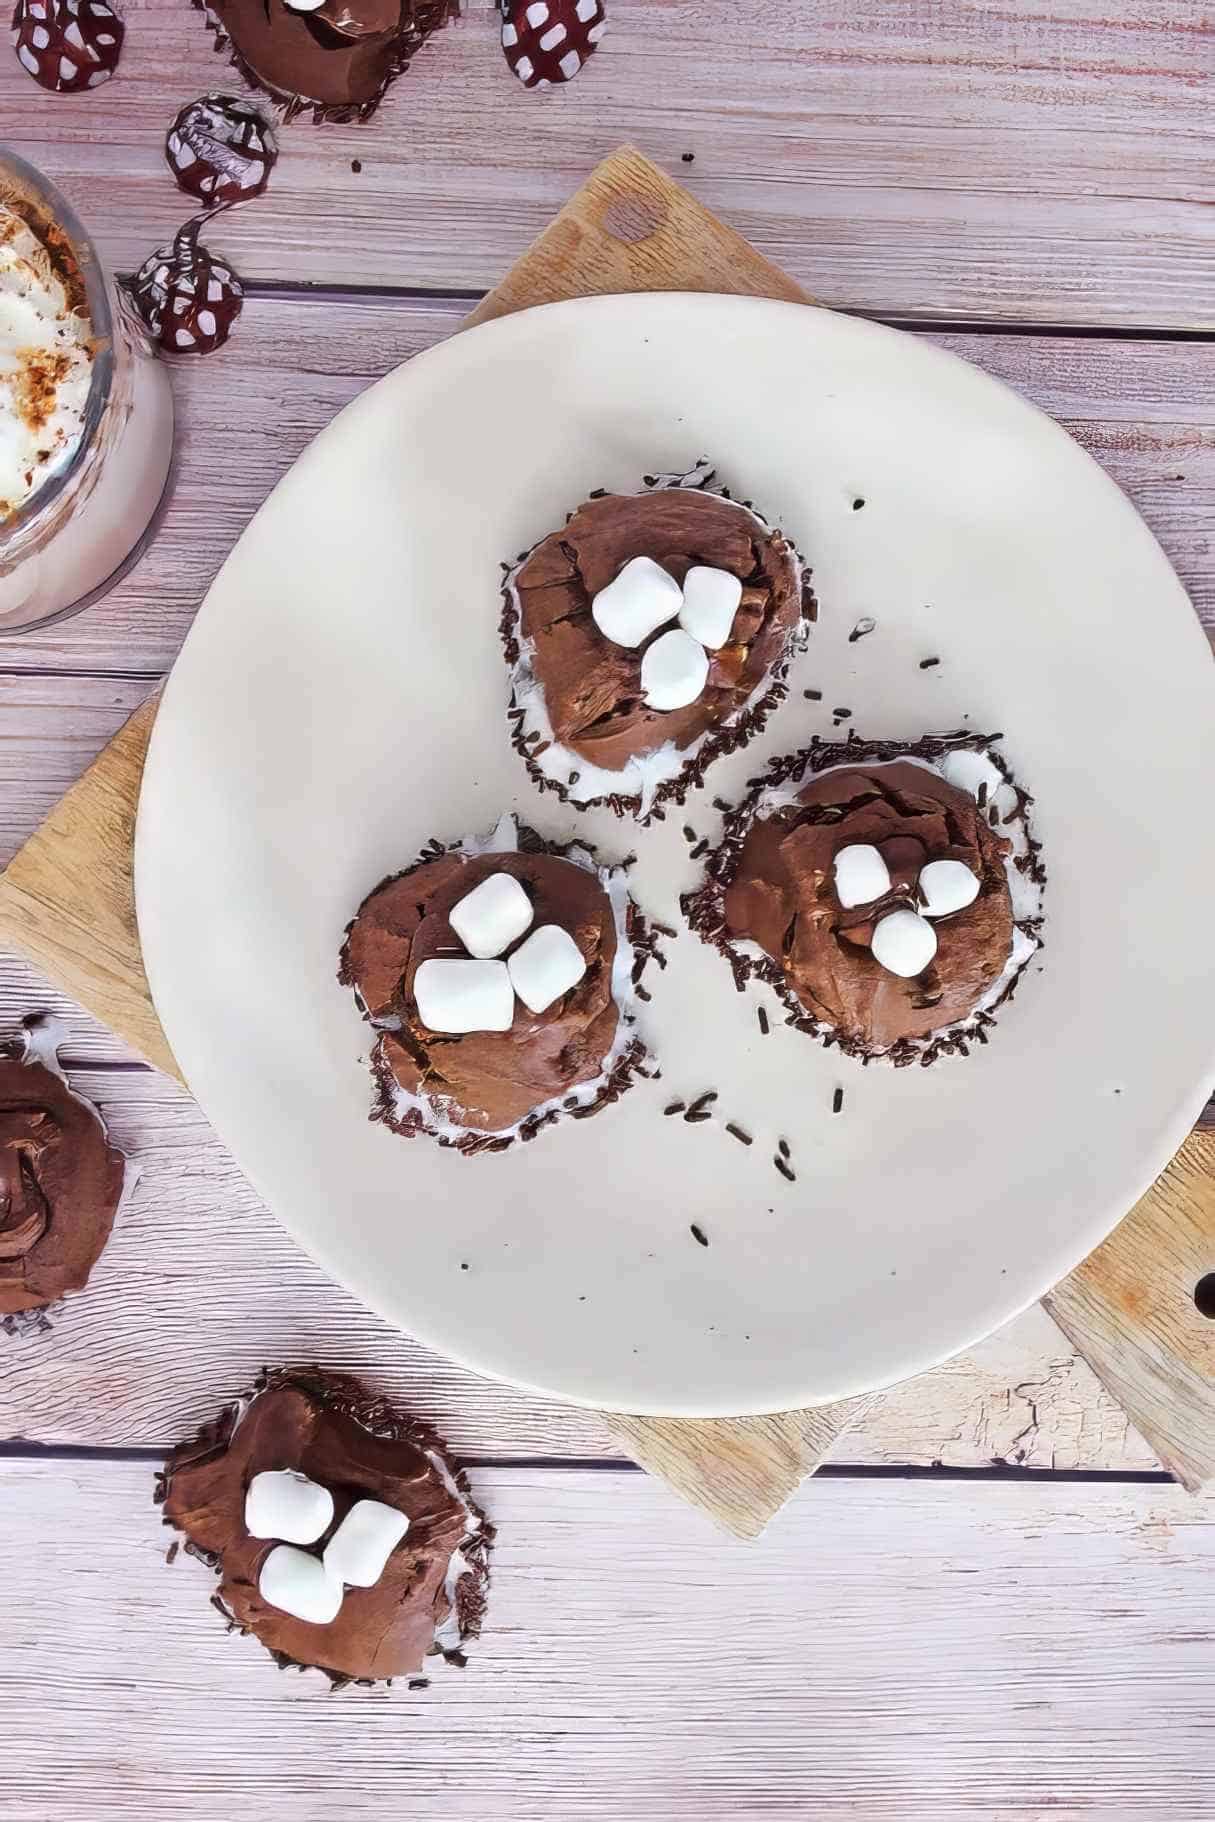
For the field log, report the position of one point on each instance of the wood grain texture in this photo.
(1155, 1351)
(892, 1651)
(1145, 410)
(200, 1287)
(1033, 162)
(67, 900)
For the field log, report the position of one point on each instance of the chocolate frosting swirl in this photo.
(783, 897)
(491, 1079)
(359, 1448)
(60, 1184)
(592, 688)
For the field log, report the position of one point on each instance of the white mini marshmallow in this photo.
(904, 943)
(457, 996)
(363, 1542)
(547, 965)
(305, 6)
(968, 770)
(641, 599)
(861, 875)
(489, 918)
(300, 1585)
(283, 1504)
(710, 602)
(674, 670)
(947, 886)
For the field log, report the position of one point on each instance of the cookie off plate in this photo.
(340, 703)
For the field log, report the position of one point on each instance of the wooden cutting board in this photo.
(66, 901)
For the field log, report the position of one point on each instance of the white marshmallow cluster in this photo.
(904, 941)
(643, 597)
(455, 995)
(282, 1503)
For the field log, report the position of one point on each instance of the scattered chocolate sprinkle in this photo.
(171, 1552)
(782, 1146)
(702, 1101)
(464, 1265)
(736, 1132)
(926, 664)
(689, 833)
(688, 157)
(837, 1101)
(356, 165)
(574, 777)
(842, 714)
(675, 1107)
(697, 1119)
(857, 504)
(418, 1682)
(790, 1176)
(813, 695)
(719, 803)
(698, 1234)
(702, 847)
(867, 624)
(761, 1013)
(981, 795)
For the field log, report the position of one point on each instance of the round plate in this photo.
(340, 700)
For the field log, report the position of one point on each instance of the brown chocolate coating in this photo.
(319, 1427)
(783, 897)
(592, 688)
(337, 59)
(491, 1078)
(60, 1184)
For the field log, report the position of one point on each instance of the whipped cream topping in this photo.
(46, 365)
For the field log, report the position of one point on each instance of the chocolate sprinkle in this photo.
(857, 504)
(698, 1234)
(837, 1101)
(813, 695)
(736, 1132)
(675, 1107)
(867, 624)
(782, 1145)
(926, 664)
(761, 1013)
(790, 1176)
(701, 1102)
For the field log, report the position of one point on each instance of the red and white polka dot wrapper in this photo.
(187, 296)
(548, 41)
(67, 45)
(220, 149)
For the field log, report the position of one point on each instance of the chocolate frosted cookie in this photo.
(503, 977)
(60, 1181)
(891, 893)
(646, 637)
(336, 57)
(343, 1536)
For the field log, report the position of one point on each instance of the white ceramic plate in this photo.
(340, 700)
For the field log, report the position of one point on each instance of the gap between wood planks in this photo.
(18, 1450)
(328, 292)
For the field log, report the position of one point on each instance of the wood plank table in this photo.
(996, 1606)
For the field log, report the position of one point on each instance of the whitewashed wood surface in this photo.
(1031, 185)
(1034, 162)
(910, 1651)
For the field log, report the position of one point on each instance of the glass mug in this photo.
(84, 526)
